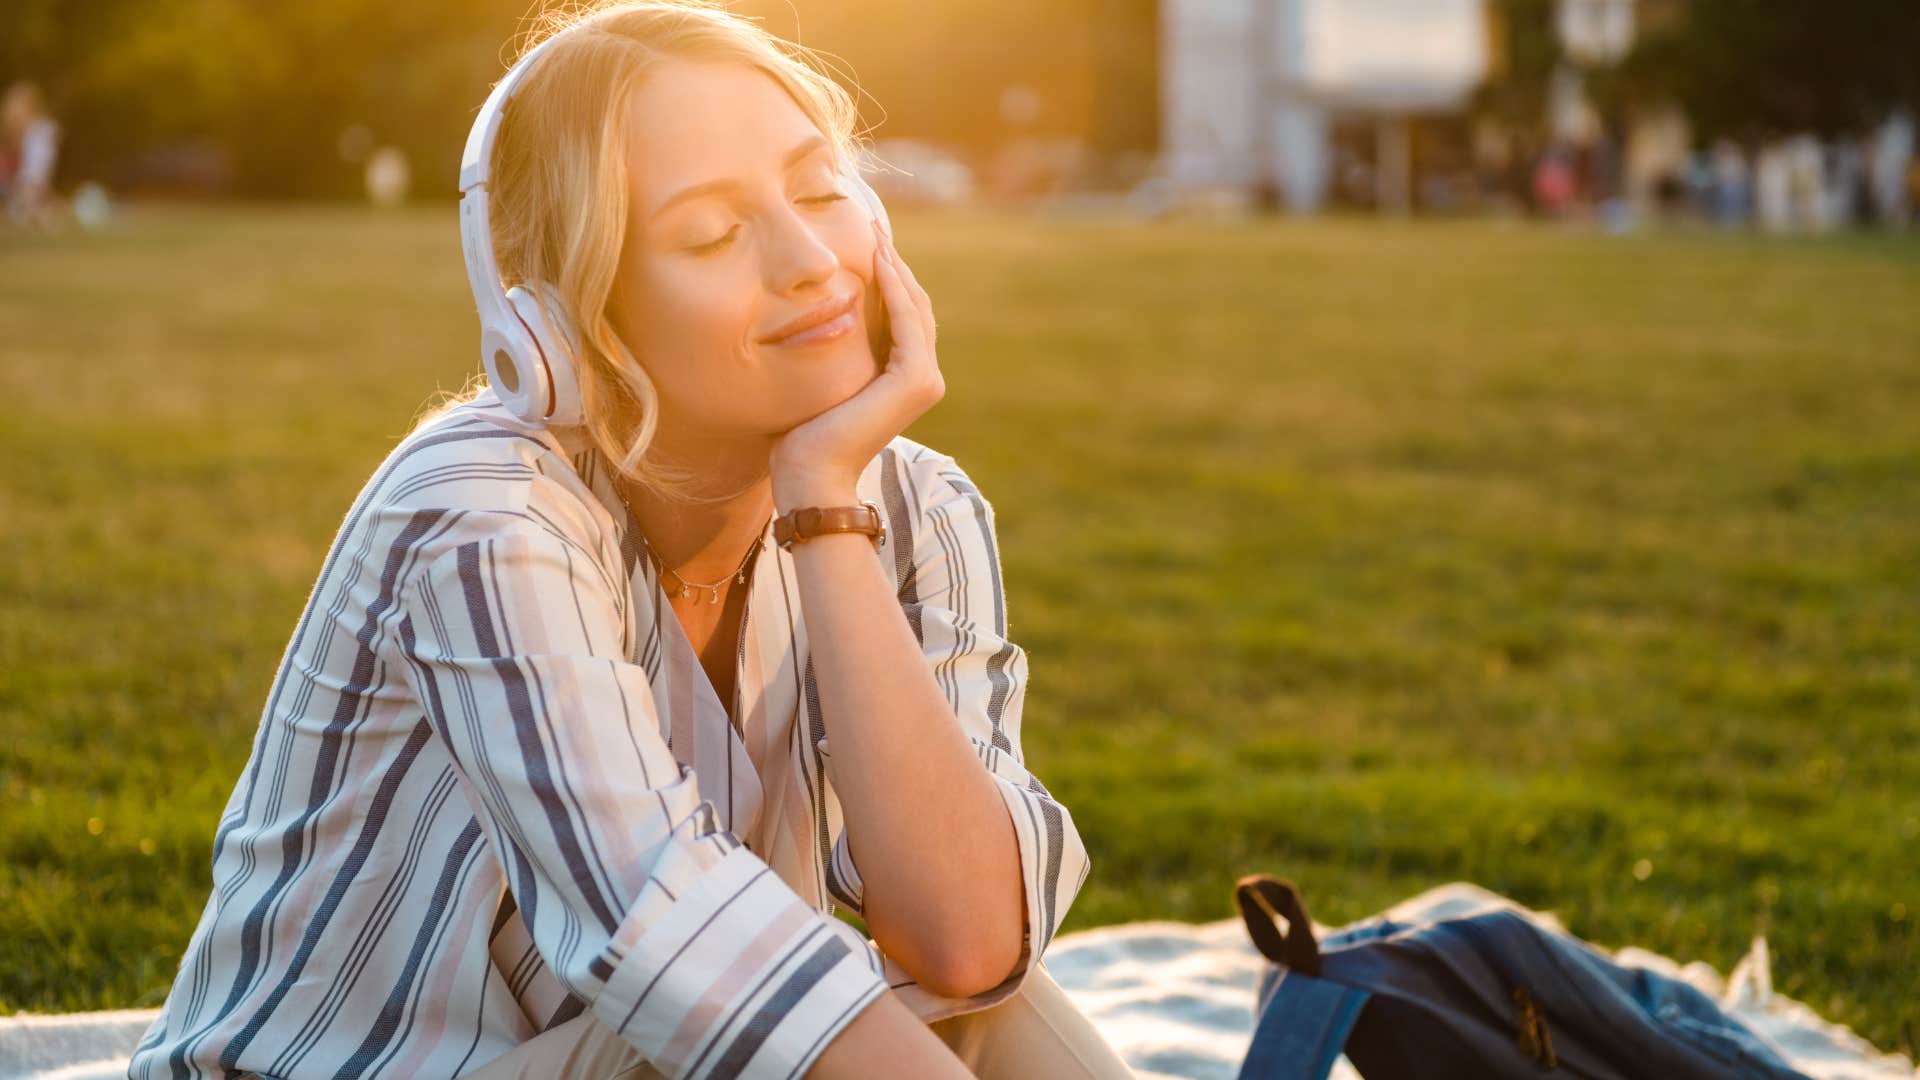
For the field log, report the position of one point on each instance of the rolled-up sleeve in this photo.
(954, 599)
(672, 931)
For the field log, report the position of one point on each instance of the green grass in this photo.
(1369, 556)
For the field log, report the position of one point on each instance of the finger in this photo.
(901, 311)
(924, 302)
(913, 359)
(899, 329)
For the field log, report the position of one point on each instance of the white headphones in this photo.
(527, 342)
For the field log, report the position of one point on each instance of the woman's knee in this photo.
(1038, 1031)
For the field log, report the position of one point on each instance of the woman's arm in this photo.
(887, 1039)
(952, 607)
(943, 893)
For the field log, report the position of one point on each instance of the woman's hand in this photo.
(819, 462)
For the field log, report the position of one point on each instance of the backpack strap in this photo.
(1261, 897)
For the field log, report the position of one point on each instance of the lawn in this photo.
(1585, 568)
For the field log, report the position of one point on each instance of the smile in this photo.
(833, 329)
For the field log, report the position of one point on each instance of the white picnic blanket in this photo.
(1176, 999)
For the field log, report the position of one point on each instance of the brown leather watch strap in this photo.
(806, 522)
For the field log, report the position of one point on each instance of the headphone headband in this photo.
(476, 160)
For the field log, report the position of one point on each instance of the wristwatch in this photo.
(804, 523)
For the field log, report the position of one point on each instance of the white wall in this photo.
(1392, 55)
(1234, 110)
(1207, 91)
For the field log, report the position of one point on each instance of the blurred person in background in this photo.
(1731, 195)
(9, 165)
(1555, 184)
(32, 139)
(1889, 157)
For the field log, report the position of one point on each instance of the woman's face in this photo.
(768, 232)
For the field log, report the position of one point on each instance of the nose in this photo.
(799, 254)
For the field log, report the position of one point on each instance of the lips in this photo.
(813, 317)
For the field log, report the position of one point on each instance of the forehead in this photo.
(692, 121)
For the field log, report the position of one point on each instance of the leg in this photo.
(582, 1047)
(1038, 1032)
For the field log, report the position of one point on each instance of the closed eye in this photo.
(716, 245)
(709, 248)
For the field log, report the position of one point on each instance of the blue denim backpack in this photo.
(1488, 993)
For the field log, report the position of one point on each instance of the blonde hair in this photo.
(559, 186)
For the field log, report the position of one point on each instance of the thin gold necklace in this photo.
(713, 590)
(739, 574)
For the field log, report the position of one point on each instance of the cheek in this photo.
(700, 311)
(689, 327)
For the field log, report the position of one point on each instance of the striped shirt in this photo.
(493, 787)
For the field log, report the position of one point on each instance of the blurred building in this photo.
(1254, 93)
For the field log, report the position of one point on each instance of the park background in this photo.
(1484, 506)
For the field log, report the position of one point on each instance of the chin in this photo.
(830, 379)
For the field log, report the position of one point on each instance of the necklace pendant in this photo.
(714, 596)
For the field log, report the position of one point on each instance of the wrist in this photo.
(793, 490)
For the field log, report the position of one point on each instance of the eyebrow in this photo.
(808, 146)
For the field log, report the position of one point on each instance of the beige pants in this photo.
(1038, 1032)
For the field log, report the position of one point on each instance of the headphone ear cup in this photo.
(539, 309)
(868, 197)
(514, 368)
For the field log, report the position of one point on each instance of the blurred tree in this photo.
(937, 70)
(275, 85)
(1127, 58)
(1754, 69)
(1527, 49)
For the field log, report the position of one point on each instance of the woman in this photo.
(555, 778)
(31, 144)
